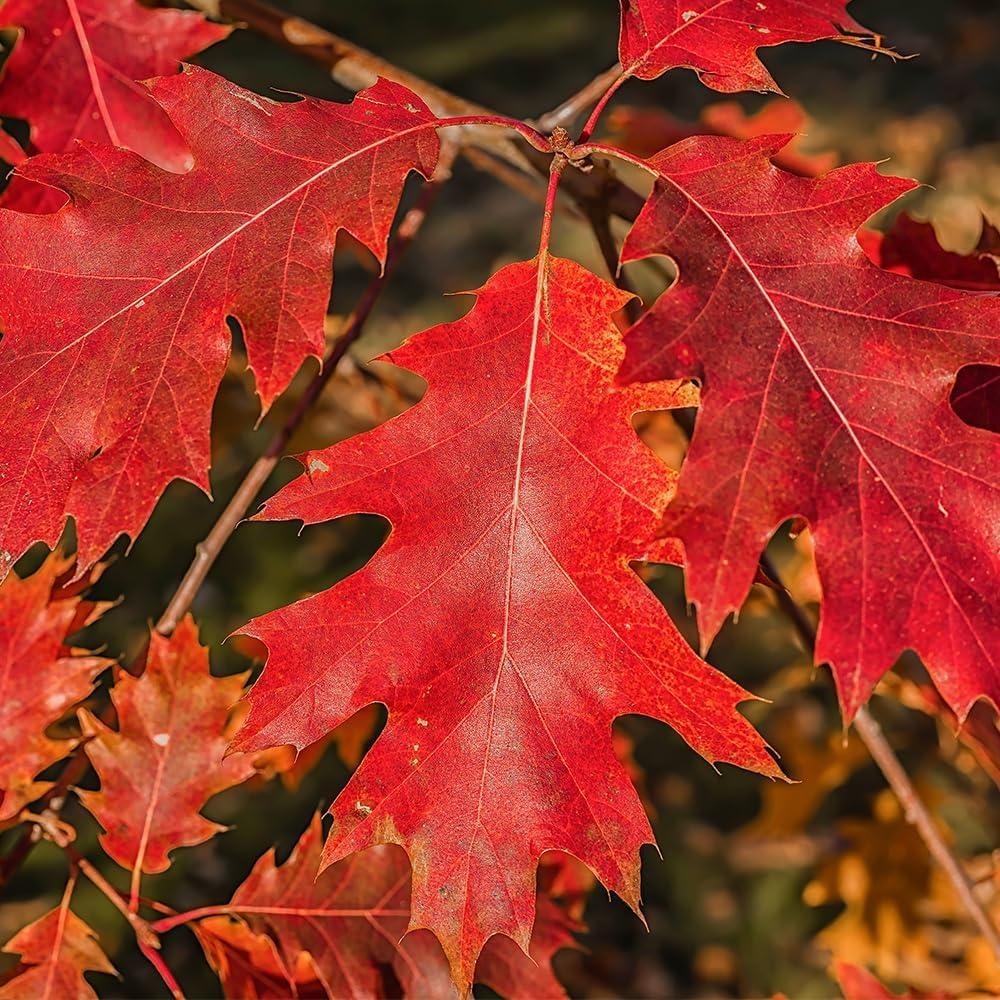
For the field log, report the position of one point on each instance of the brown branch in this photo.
(585, 98)
(356, 68)
(895, 775)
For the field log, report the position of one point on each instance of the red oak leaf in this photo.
(911, 247)
(501, 623)
(826, 388)
(719, 39)
(343, 931)
(857, 983)
(645, 131)
(166, 759)
(73, 76)
(56, 950)
(114, 345)
(41, 677)
(248, 964)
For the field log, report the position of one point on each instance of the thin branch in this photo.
(918, 814)
(235, 909)
(356, 68)
(895, 775)
(208, 550)
(586, 97)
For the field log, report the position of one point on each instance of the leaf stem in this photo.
(145, 936)
(588, 129)
(178, 919)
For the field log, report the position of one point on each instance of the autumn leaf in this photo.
(911, 247)
(114, 308)
(248, 964)
(166, 758)
(73, 75)
(645, 131)
(342, 930)
(56, 950)
(41, 677)
(858, 983)
(719, 39)
(501, 623)
(825, 393)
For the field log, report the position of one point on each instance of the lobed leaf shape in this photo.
(719, 39)
(114, 308)
(41, 677)
(501, 623)
(825, 394)
(56, 950)
(73, 75)
(166, 758)
(341, 931)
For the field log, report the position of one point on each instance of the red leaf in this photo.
(911, 247)
(248, 964)
(719, 39)
(166, 759)
(501, 623)
(858, 983)
(645, 131)
(41, 677)
(114, 345)
(344, 928)
(56, 950)
(72, 76)
(825, 394)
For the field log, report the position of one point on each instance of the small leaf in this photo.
(166, 758)
(41, 678)
(56, 950)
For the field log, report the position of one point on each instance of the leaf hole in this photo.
(975, 397)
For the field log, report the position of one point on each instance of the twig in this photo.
(356, 68)
(895, 775)
(586, 97)
(235, 909)
(208, 550)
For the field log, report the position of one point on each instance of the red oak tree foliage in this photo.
(843, 376)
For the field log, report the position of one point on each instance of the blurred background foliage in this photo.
(759, 884)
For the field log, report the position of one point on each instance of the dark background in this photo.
(757, 883)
